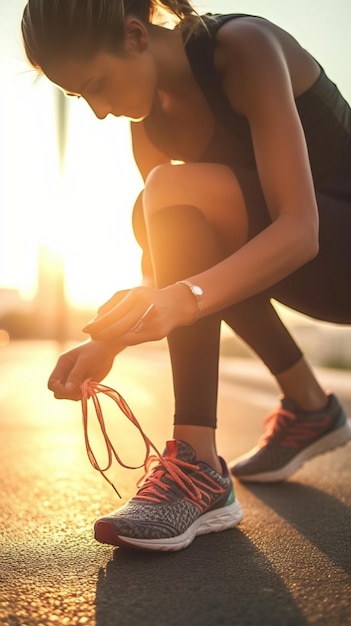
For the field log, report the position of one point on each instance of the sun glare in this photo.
(99, 187)
(82, 216)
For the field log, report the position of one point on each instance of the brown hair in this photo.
(52, 28)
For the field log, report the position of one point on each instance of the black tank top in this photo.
(324, 114)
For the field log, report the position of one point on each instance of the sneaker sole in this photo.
(336, 438)
(213, 521)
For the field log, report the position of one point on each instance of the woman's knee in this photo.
(211, 188)
(160, 188)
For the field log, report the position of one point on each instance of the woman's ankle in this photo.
(300, 385)
(203, 440)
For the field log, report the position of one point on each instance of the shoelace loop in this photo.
(90, 390)
(151, 485)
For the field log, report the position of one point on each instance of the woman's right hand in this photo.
(92, 359)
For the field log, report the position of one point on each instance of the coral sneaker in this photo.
(293, 437)
(179, 498)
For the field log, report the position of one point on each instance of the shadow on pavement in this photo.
(323, 519)
(221, 579)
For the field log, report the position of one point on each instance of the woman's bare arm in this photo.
(257, 82)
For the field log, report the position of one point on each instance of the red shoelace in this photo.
(155, 485)
(156, 466)
(292, 432)
(90, 390)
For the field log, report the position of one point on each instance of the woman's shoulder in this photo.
(251, 44)
(251, 33)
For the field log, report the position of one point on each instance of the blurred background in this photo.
(68, 183)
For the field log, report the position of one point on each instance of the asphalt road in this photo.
(287, 564)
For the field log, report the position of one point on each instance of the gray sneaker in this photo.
(293, 437)
(179, 499)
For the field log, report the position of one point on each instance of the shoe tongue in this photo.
(180, 450)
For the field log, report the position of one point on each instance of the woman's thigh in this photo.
(322, 287)
(212, 188)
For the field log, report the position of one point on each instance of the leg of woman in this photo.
(248, 319)
(220, 199)
(308, 423)
(182, 241)
(320, 289)
(189, 491)
(194, 350)
(185, 240)
(257, 323)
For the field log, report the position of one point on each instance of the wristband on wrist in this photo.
(197, 292)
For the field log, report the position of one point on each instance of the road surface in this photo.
(287, 564)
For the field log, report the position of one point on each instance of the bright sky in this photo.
(85, 215)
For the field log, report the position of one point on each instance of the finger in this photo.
(62, 393)
(112, 302)
(66, 378)
(114, 314)
(128, 327)
(59, 375)
(76, 377)
(58, 387)
(113, 332)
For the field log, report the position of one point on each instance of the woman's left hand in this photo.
(142, 314)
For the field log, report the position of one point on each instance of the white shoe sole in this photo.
(213, 521)
(338, 437)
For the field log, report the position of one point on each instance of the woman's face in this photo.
(117, 85)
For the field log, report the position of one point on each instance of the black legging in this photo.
(182, 244)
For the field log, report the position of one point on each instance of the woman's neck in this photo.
(174, 72)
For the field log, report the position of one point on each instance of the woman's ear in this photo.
(136, 37)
